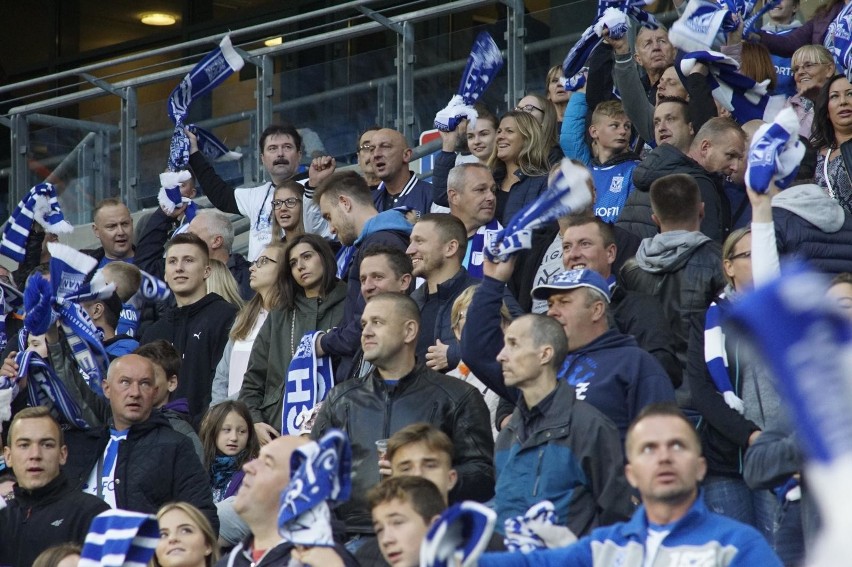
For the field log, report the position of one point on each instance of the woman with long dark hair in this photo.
(312, 298)
(832, 129)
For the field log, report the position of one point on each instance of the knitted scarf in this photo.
(461, 533)
(40, 205)
(309, 380)
(118, 538)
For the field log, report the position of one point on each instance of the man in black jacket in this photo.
(347, 205)
(137, 462)
(400, 392)
(47, 510)
(198, 326)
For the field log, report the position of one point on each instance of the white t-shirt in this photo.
(105, 489)
(652, 544)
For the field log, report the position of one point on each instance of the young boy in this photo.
(403, 509)
(166, 361)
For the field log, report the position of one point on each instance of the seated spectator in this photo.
(811, 66)
(186, 538)
(287, 214)
(257, 503)
(223, 284)
(167, 363)
(122, 463)
(229, 442)
(312, 298)
(520, 163)
(577, 464)
(198, 325)
(607, 369)
(681, 266)
(269, 290)
(397, 393)
(472, 196)
(403, 509)
(47, 509)
(113, 227)
(673, 519)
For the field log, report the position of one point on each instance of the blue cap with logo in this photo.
(572, 279)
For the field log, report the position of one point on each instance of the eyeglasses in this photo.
(262, 261)
(366, 148)
(740, 255)
(528, 108)
(806, 67)
(289, 203)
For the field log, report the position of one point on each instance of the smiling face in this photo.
(400, 531)
(481, 139)
(664, 460)
(289, 213)
(233, 435)
(306, 268)
(509, 141)
(809, 72)
(426, 250)
(280, 156)
(182, 542)
(34, 452)
(377, 276)
(130, 388)
(113, 226)
(583, 247)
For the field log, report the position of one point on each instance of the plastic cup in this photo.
(382, 448)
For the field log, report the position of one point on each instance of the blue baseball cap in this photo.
(572, 279)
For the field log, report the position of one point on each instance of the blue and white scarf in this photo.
(128, 320)
(321, 474)
(170, 197)
(10, 301)
(612, 19)
(483, 64)
(309, 380)
(567, 192)
(41, 205)
(752, 23)
(481, 239)
(459, 536)
(775, 153)
(716, 355)
(45, 388)
(744, 97)
(703, 26)
(118, 538)
(209, 73)
(153, 288)
(632, 8)
(537, 529)
(576, 82)
(838, 40)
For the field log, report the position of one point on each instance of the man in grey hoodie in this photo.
(681, 266)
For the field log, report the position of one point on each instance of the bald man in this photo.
(399, 186)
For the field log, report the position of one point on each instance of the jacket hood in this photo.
(386, 220)
(180, 405)
(668, 251)
(610, 339)
(812, 204)
(664, 160)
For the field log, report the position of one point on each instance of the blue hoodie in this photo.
(389, 228)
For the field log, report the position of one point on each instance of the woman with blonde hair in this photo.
(222, 282)
(519, 162)
(186, 538)
(812, 66)
(265, 282)
(556, 93)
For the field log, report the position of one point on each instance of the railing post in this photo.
(405, 81)
(129, 149)
(19, 178)
(515, 64)
(265, 93)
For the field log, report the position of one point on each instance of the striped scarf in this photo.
(118, 538)
(459, 536)
(40, 205)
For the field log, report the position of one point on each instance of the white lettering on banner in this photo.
(300, 394)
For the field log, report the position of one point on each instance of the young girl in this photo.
(229, 442)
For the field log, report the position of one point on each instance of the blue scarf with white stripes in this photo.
(118, 538)
(41, 205)
(309, 380)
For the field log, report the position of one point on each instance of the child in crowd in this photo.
(229, 441)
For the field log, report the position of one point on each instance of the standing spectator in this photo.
(215, 228)
(365, 157)
(312, 298)
(557, 94)
(519, 162)
(47, 509)
(399, 392)
(832, 128)
(812, 32)
(222, 283)
(287, 204)
(113, 227)
(268, 288)
(472, 196)
(482, 137)
(399, 187)
(782, 20)
(811, 66)
(280, 151)
(197, 325)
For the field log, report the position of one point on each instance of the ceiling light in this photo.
(273, 42)
(158, 19)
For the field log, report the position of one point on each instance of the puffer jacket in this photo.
(522, 193)
(813, 227)
(263, 384)
(367, 410)
(667, 160)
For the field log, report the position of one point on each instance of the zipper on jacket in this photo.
(388, 410)
(346, 427)
(538, 470)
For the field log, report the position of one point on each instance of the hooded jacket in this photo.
(684, 271)
(664, 160)
(199, 332)
(814, 227)
(389, 228)
(272, 351)
(43, 517)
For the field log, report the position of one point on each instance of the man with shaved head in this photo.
(137, 461)
(399, 186)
